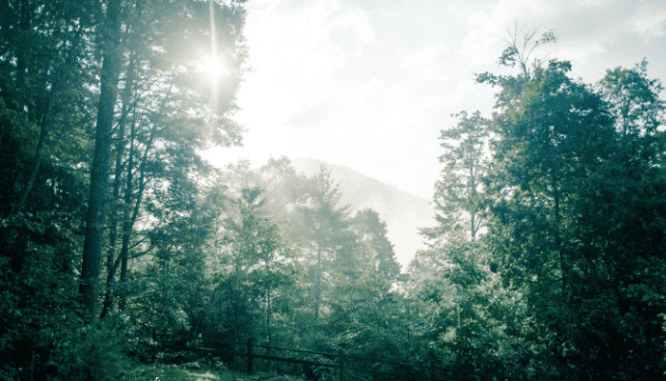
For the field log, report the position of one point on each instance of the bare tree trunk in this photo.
(130, 220)
(128, 226)
(268, 315)
(44, 128)
(92, 246)
(111, 264)
(318, 284)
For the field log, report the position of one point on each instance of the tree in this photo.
(326, 228)
(172, 284)
(359, 301)
(621, 239)
(634, 100)
(520, 46)
(44, 80)
(562, 150)
(551, 140)
(45, 73)
(458, 200)
(617, 287)
(92, 247)
(371, 230)
(456, 283)
(251, 268)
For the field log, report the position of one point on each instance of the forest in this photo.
(547, 260)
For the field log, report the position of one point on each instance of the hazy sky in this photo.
(369, 84)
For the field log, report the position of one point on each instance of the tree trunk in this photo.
(128, 227)
(111, 265)
(268, 315)
(130, 220)
(45, 126)
(92, 247)
(318, 283)
(558, 239)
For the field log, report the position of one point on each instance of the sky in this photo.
(369, 84)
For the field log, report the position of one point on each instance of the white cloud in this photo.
(579, 52)
(650, 20)
(428, 63)
(311, 40)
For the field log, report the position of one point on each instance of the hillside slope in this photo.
(403, 213)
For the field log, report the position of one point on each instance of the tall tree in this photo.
(458, 202)
(92, 247)
(64, 64)
(326, 227)
(250, 267)
(622, 267)
(46, 59)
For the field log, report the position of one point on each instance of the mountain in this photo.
(403, 213)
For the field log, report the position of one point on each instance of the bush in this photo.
(94, 351)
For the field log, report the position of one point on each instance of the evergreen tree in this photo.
(458, 200)
(251, 268)
(326, 234)
(371, 230)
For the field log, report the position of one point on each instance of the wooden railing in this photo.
(339, 362)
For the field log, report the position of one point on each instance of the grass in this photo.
(167, 372)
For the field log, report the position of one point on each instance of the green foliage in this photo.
(547, 260)
(458, 198)
(568, 281)
(565, 162)
(371, 230)
(90, 351)
(38, 294)
(50, 87)
(634, 100)
(326, 240)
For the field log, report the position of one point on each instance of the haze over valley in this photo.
(403, 213)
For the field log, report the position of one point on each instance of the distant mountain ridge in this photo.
(403, 213)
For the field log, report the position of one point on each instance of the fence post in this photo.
(432, 369)
(153, 356)
(249, 356)
(342, 365)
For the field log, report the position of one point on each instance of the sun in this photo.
(212, 67)
(213, 70)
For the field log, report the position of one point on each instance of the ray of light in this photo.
(212, 66)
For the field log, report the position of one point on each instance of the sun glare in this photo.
(211, 67)
(213, 70)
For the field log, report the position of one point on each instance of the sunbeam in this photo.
(212, 66)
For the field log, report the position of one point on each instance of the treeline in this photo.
(547, 260)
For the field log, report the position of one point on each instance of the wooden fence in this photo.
(339, 363)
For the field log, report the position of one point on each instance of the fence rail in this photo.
(338, 361)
